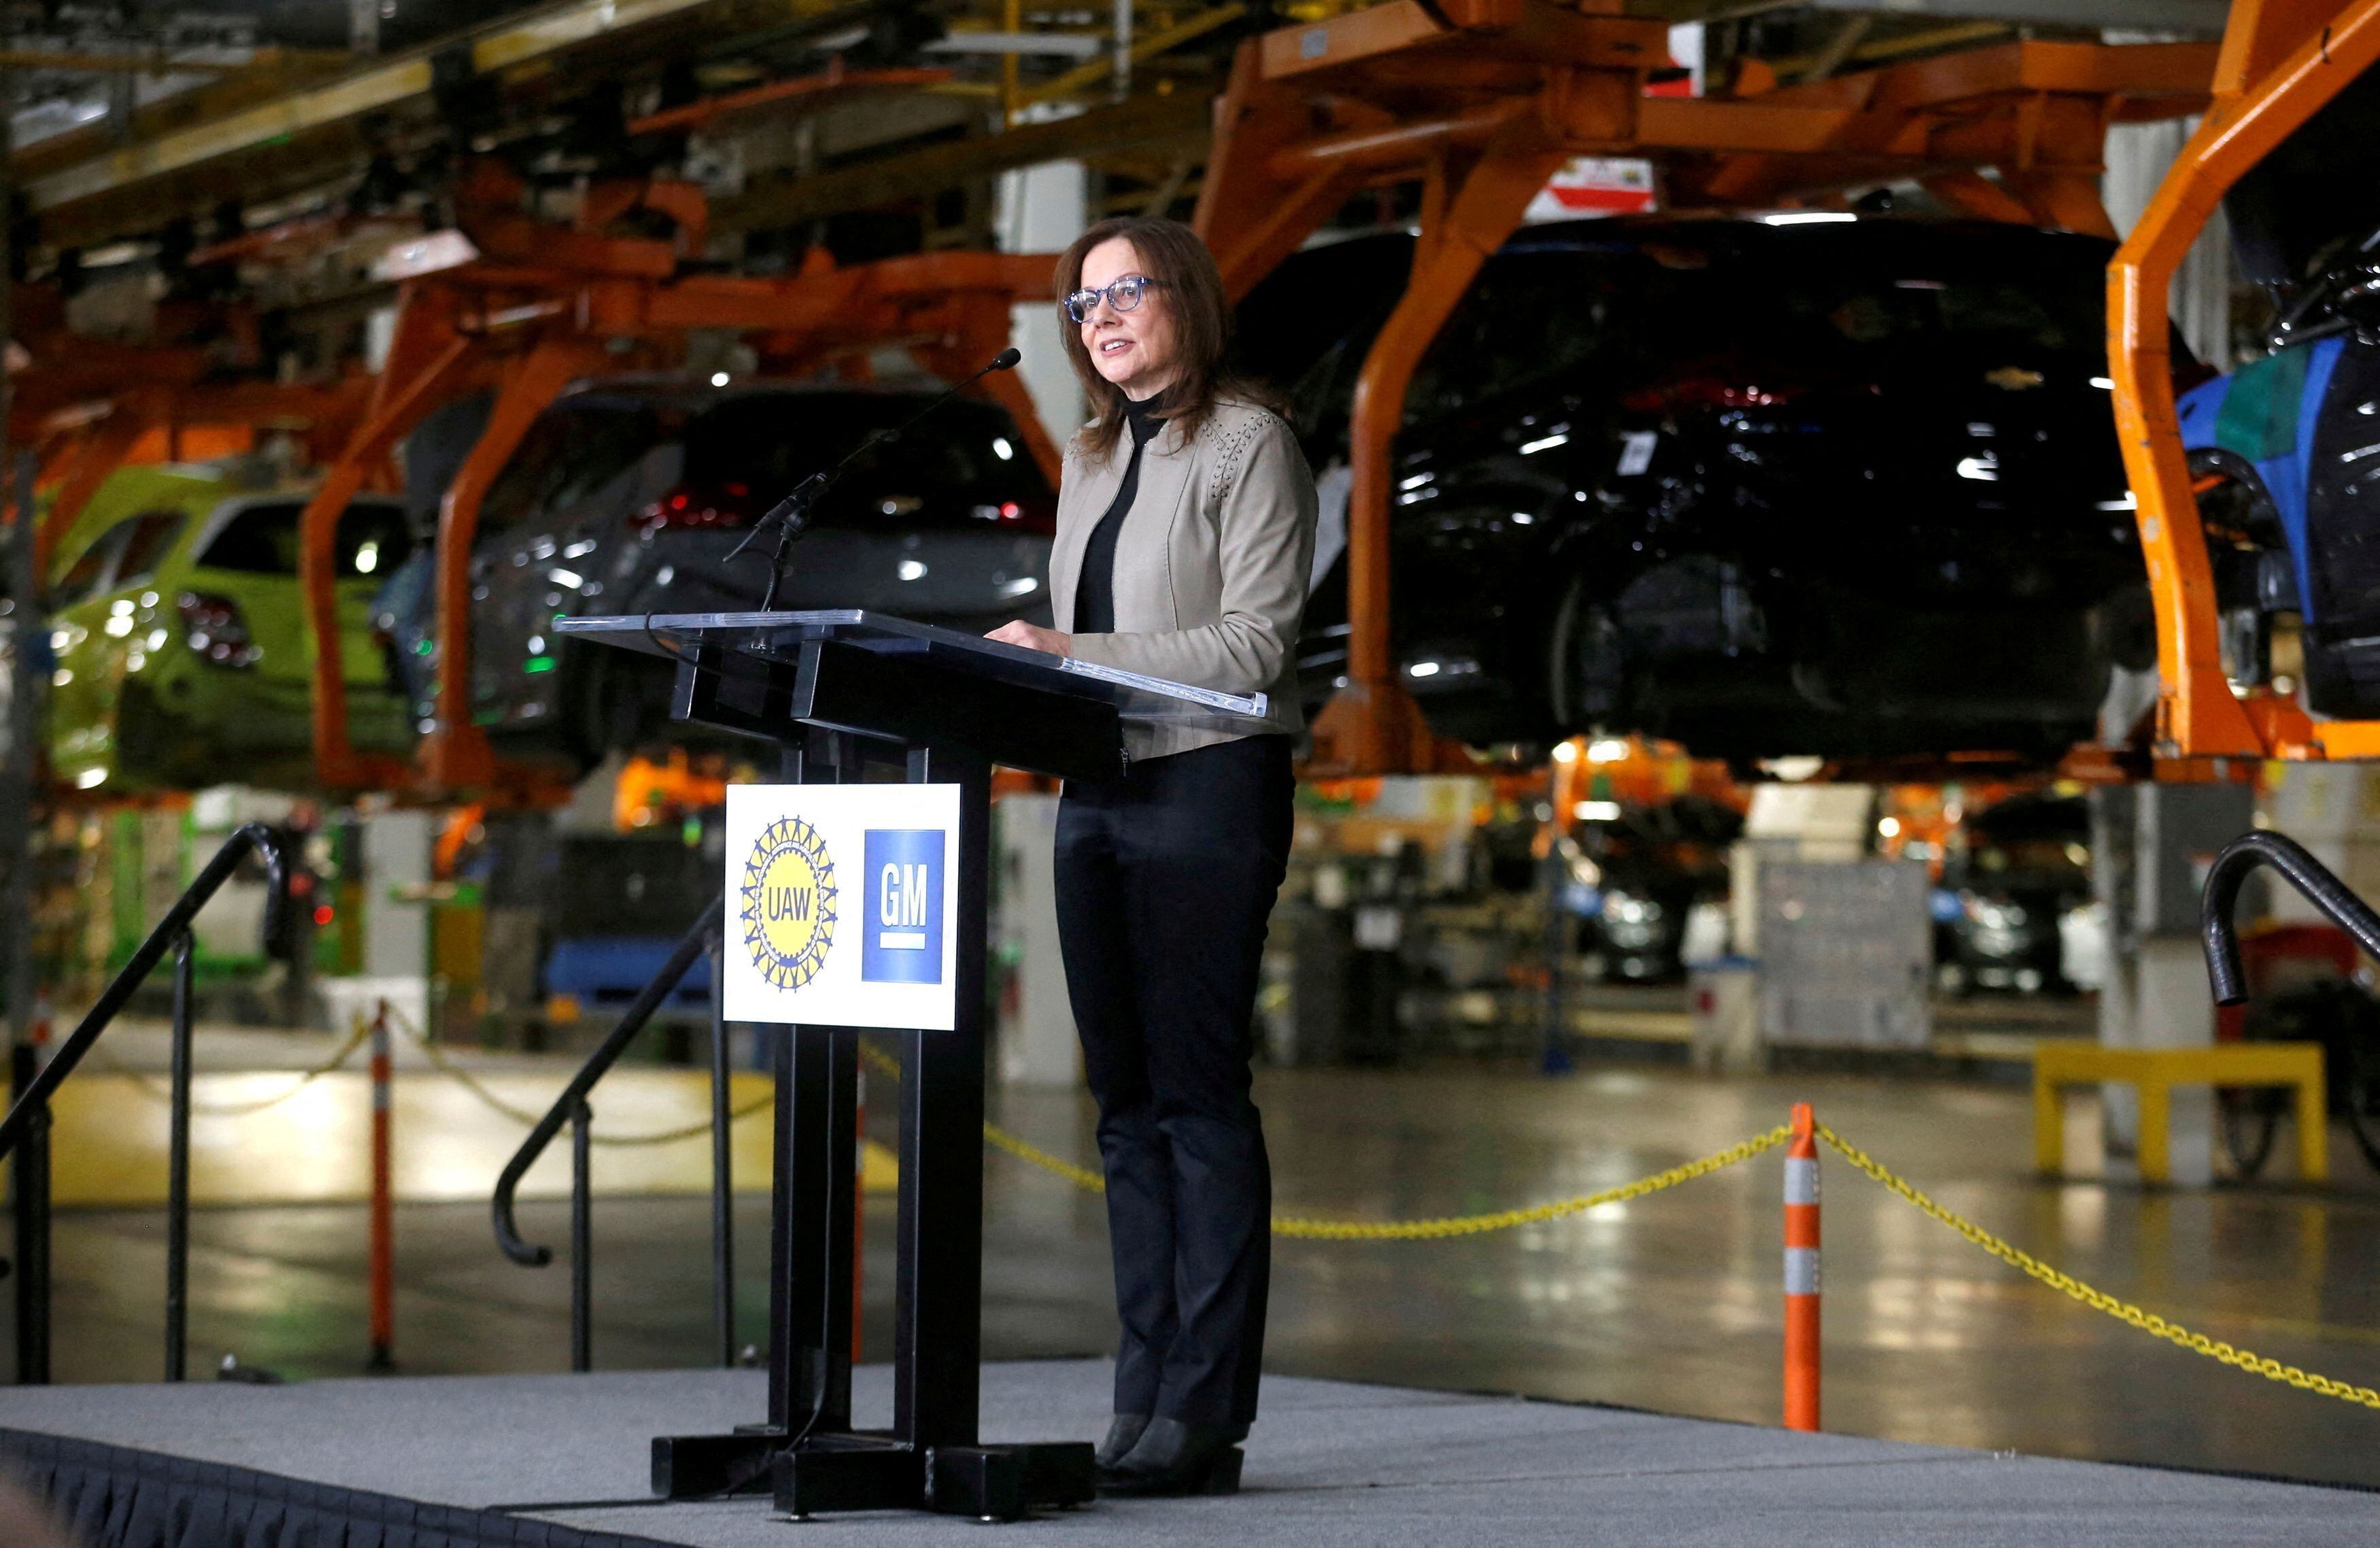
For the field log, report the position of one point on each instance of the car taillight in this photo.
(700, 505)
(1708, 392)
(213, 626)
(1038, 514)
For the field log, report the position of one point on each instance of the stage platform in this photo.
(561, 1462)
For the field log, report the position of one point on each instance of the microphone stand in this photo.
(790, 516)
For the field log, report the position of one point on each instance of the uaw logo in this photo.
(786, 903)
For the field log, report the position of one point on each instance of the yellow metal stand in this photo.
(2155, 1071)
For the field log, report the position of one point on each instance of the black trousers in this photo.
(1165, 880)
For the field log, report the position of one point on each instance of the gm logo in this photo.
(903, 939)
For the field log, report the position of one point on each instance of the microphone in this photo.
(790, 516)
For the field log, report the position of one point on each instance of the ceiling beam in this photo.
(153, 62)
(1180, 118)
(377, 87)
(2202, 17)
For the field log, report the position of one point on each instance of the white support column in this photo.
(1038, 1046)
(2151, 845)
(397, 918)
(1123, 49)
(2138, 157)
(1041, 208)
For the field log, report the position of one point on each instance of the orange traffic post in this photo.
(383, 1232)
(1802, 1272)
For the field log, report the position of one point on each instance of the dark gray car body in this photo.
(628, 495)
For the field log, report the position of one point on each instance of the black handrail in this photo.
(2301, 871)
(571, 1108)
(27, 1123)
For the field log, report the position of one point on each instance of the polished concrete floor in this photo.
(1670, 1302)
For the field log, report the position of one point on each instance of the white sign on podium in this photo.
(841, 904)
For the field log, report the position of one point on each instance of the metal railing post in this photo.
(1554, 1054)
(177, 1173)
(582, 1239)
(145, 958)
(722, 1162)
(25, 1131)
(30, 1178)
(384, 1192)
(570, 1108)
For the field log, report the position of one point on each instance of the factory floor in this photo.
(1668, 1303)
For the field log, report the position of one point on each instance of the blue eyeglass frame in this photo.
(1082, 303)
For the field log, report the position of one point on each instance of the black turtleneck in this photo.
(1095, 592)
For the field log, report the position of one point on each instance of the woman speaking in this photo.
(1185, 530)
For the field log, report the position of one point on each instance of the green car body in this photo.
(183, 658)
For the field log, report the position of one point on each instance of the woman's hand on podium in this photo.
(1033, 637)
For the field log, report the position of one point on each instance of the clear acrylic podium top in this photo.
(781, 636)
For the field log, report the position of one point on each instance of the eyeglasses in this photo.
(1123, 295)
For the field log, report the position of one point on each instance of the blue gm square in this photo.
(902, 942)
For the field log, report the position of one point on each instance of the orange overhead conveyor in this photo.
(1482, 101)
(526, 306)
(2282, 60)
(87, 405)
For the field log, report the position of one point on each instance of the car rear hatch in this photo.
(950, 521)
(244, 605)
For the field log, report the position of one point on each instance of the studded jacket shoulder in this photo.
(1210, 566)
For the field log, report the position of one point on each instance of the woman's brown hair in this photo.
(1191, 288)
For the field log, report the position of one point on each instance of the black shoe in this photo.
(1124, 1433)
(1176, 1458)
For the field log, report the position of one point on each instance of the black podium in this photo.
(848, 697)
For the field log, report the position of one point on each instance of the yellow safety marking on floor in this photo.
(446, 1066)
(880, 1169)
(161, 1090)
(109, 1146)
(2099, 1300)
(2299, 1327)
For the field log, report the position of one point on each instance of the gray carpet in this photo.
(1329, 1464)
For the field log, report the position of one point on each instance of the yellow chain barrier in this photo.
(1436, 1230)
(150, 1086)
(1504, 1220)
(1033, 1155)
(2099, 1300)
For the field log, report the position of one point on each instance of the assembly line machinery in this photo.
(2282, 62)
(1478, 101)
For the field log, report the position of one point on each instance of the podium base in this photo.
(989, 1484)
(866, 1470)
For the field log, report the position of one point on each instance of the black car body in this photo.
(2012, 873)
(1793, 484)
(1656, 863)
(627, 496)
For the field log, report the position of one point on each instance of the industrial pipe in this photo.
(2301, 871)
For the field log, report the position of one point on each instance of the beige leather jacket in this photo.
(1210, 567)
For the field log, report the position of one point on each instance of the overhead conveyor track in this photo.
(541, 306)
(2282, 62)
(312, 131)
(1478, 101)
(1482, 101)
